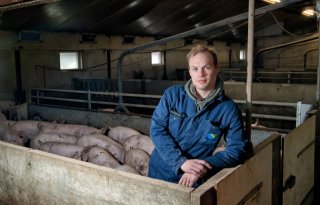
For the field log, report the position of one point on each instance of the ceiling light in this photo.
(308, 11)
(272, 1)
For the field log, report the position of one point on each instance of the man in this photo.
(190, 120)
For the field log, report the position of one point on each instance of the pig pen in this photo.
(33, 177)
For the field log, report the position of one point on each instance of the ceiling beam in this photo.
(25, 4)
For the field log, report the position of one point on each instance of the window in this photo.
(70, 60)
(243, 54)
(157, 58)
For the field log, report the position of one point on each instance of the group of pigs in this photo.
(119, 147)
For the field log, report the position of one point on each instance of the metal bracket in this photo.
(289, 183)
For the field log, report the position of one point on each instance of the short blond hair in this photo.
(202, 49)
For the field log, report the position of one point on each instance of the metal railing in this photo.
(92, 100)
(306, 77)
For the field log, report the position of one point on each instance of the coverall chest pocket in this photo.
(211, 133)
(176, 122)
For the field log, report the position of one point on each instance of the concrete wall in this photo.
(46, 53)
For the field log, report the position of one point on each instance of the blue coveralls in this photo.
(179, 133)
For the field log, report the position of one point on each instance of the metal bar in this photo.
(274, 117)
(60, 90)
(249, 68)
(128, 94)
(202, 29)
(89, 100)
(101, 93)
(38, 100)
(318, 69)
(126, 104)
(268, 103)
(61, 99)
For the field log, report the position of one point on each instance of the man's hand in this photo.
(188, 179)
(196, 167)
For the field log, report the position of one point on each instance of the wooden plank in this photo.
(244, 183)
(250, 183)
(205, 194)
(277, 171)
(298, 162)
(317, 160)
(34, 177)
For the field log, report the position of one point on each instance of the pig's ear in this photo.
(84, 154)
(105, 130)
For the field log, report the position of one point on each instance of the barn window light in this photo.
(70, 60)
(272, 1)
(243, 54)
(157, 58)
(308, 11)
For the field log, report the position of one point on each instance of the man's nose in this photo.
(201, 72)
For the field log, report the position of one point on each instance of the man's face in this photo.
(203, 73)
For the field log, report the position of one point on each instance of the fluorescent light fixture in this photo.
(272, 1)
(308, 11)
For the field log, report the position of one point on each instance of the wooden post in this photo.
(249, 67)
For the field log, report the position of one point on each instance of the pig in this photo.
(2, 117)
(7, 134)
(9, 122)
(28, 128)
(99, 156)
(78, 130)
(128, 168)
(105, 142)
(63, 149)
(138, 159)
(40, 138)
(139, 141)
(121, 133)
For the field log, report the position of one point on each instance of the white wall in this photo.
(46, 53)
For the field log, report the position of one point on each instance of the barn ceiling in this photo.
(161, 18)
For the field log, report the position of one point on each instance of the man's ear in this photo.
(218, 67)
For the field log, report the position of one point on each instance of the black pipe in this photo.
(230, 58)
(164, 77)
(20, 96)
(305, 57)
(109, 63)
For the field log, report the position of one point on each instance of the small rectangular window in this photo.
(243, 54)
(157, 58)
(70, 60)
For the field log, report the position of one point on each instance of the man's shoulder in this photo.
(175, 89)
